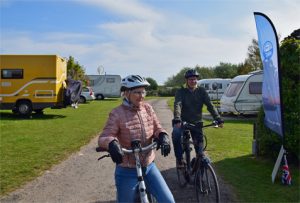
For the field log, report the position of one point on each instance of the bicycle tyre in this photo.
(182, 176)
(206, 184)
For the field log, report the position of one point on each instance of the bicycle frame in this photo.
(136, 149)
(186, 142)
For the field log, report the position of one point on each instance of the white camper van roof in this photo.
(241, 78)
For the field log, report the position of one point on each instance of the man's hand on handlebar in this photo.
(176, 122)
(163, 143)
(115, 152)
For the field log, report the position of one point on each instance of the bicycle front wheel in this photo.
(182, 176)
(206, 184)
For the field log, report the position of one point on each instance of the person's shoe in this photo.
(179, 163)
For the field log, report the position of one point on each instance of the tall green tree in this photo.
(153, 84)
(75, 70)
(205, 72)
(178, 79)
(225, 70)
(243, 68)
(253, 59)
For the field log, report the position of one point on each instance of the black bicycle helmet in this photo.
(191, 73)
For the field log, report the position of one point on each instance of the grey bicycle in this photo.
(199, 170)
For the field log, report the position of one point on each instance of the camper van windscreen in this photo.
(233, 89)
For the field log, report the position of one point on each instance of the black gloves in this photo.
(115, 152)
(163, 143)
(175, 121)
(218, 121)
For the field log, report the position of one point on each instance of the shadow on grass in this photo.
(34, 116)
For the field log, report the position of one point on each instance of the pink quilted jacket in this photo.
(126, 124)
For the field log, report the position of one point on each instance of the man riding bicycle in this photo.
(188, 107)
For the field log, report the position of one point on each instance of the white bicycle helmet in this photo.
(133, 81)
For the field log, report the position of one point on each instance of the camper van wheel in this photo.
(82, 100)
(100, 97)
(24, 108)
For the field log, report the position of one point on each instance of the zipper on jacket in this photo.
(143, 128)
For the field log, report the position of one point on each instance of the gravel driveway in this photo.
(81, 178)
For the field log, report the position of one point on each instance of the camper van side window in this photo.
(92, 83)
(255, 87)
(206, 86)
(110, 80)
(12, 74)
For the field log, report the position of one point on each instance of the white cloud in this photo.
(129, 8)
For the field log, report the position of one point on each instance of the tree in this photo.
(153, 84)
(205, 72)
(178, 79)
(243, 68)
(253, 59)
(225, 70)
(75, 70)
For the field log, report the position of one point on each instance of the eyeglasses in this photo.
(142, 93)
(192, 79)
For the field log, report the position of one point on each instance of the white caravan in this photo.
(105, 85)
(215, 87)
(243, 95)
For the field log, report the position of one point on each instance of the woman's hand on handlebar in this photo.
(115, 152)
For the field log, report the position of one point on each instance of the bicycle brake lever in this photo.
(107, 155)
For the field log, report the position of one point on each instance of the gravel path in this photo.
(81, 178)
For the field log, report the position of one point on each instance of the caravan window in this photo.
(233, 89)
(219, 85)
(205, 86)
(110, 80)
(12, 73)
(91, 82)
(255, 88)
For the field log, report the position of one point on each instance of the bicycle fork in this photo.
(142, 186)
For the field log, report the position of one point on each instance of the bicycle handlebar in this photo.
(196, 127)
(129, 151)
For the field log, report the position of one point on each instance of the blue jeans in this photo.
(127, 184)
(176, 138)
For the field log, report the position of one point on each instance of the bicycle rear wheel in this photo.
(206, 184)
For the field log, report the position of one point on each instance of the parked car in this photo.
(87, 94)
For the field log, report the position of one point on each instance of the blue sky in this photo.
(153, 38)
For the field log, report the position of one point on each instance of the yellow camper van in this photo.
(32, 82)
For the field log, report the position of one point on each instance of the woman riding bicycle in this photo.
(135, 119)
(188, 107)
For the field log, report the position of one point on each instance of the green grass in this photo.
(30, 146)
(230, 149)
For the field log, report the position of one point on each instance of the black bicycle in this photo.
(142, 194)
(199, 170)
